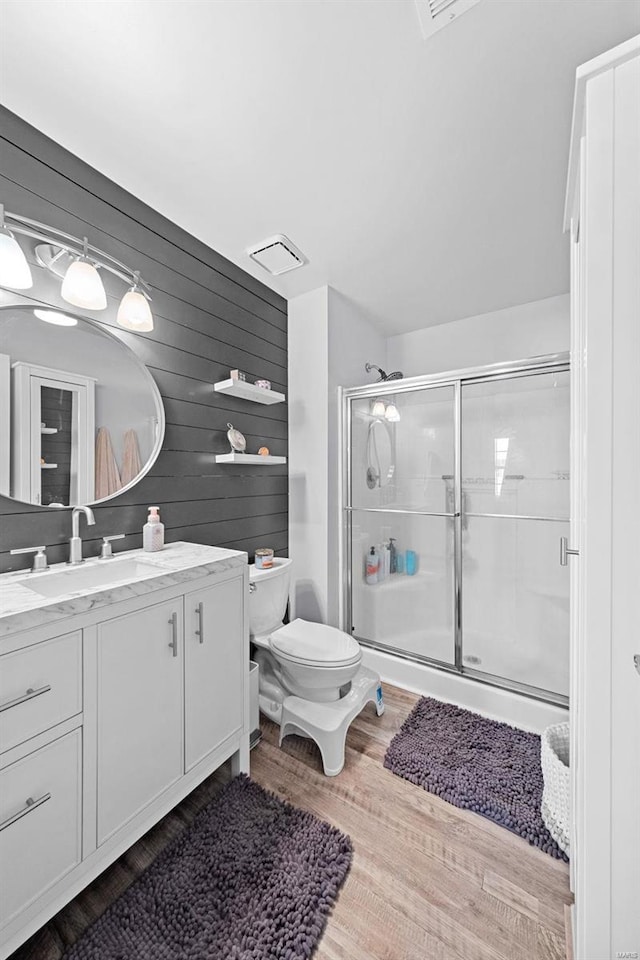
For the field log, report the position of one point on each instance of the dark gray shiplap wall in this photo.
(210, 317)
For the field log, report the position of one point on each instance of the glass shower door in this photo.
(515, 507)
(400, 507)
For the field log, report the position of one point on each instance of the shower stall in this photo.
(460, 484)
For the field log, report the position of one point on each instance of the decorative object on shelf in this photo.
(264, 384)
(264, 558)
(236, 439)
(248, 391)
(76, 262)
(264, 451)
(238, 375)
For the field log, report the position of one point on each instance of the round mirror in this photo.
(379, 455)
(81, 418)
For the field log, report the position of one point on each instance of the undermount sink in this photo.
(83, 577)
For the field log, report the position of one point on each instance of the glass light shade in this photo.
(83, 287)
(378, 409)
(14, 269)
(392, 413)
(134, 312)
(54, 316)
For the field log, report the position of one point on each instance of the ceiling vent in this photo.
(277, 255)
(436, 14)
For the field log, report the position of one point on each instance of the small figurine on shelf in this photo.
(236, 439)
(264, 451)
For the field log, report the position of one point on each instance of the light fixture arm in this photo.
(76, 246)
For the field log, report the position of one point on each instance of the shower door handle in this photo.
(566, 551)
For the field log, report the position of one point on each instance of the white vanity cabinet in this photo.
(110, 716)
(214, 667)
(139, 711)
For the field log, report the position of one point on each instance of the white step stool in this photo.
(327, 723)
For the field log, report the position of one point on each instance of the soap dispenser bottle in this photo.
(153, 531)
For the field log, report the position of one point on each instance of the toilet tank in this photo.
(268, 596)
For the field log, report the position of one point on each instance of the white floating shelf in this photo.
(248, 458)
(48, 429)
(48, 466)
(249, 391)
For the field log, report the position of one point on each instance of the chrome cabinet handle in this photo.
(29, 695)
(200, 630)
(30, 804)
(565, 551)
(173, 643)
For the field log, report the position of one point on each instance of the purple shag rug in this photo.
(252, 878)
(474, 763)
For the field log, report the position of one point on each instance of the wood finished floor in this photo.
(428, 881)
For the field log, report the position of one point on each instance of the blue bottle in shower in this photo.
(411, 563)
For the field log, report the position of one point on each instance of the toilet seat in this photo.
(315, 644)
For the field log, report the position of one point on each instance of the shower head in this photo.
(384, 377)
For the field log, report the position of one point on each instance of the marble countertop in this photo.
(22, 608)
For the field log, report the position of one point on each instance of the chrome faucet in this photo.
(75, 543)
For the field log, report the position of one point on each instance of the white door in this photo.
(605, 749)
(216, 659)
(140, 711)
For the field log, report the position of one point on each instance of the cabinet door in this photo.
(140, 711)
(216, 660)
(40, 826)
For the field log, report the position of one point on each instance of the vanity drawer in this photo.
(40, 686)
(40, 822)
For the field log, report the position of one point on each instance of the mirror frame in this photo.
(28, 304)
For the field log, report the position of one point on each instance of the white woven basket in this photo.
(556, 796)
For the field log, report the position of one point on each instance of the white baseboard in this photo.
(493, 702)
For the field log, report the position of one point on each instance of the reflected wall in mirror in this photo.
(81, 418)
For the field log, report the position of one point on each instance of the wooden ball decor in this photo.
(264, 451)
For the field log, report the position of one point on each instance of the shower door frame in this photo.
(533, 366)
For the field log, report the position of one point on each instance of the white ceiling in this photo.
(423, 179)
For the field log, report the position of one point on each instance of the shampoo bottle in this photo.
(393, 556)
(387, 559)
(153, 531)
(371, 574)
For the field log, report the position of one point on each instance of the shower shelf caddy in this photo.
(256, 458)
(249, 391)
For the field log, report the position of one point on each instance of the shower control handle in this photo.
(566, 551)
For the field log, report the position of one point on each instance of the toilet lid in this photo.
(315, 643)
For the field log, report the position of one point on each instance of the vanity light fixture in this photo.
(57, 318)
(14, 269)
(82, 286)
(76, 262)
(134, 312)
(392, 413)
(378, 408)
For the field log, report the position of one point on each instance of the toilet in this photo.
(312, 681)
